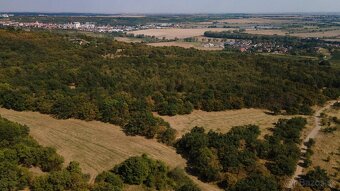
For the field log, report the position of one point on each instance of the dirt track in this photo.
(312, 134)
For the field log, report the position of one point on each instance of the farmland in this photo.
(172, 33)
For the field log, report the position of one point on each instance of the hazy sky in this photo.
(170, 6)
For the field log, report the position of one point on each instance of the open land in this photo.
(184, 45)
(327, 150)
(97, 146)
(172, 33)
(223, 121)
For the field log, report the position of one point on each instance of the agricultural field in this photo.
(327, 148)
(173, 33)
(324, 34)
(223, 121)
(254, 20)
(182, 44)
(267, 32)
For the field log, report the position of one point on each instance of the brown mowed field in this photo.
(328, 145)
(172, 33)
(95, 145)
(267, 32)
(223, 121)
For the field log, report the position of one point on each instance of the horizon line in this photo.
(171, 13)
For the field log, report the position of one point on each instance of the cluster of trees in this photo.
(143, 170)
(214, 156)
(281, 149)
(316, 179)
(225, 158)
(47, 72)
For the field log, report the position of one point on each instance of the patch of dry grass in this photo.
(223, 121)
(95, 145)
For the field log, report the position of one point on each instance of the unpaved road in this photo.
(312, 134)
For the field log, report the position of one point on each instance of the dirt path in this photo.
(312, 134)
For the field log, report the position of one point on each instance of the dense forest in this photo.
(19, 153)
(101, 79)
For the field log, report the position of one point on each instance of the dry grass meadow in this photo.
(327, 146)
(223, 121)
(95, 145)
(172, 33)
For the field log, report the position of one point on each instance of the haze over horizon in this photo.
(170, 6)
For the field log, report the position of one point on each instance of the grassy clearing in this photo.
(223, 121)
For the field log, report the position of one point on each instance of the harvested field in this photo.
(223, 121)
(253, 21)
(172, 33)
(325, 34)
(128, 40)
(95, 145)
(267, 32)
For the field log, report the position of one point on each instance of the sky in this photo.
(170, 6)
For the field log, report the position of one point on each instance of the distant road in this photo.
(312, 134)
